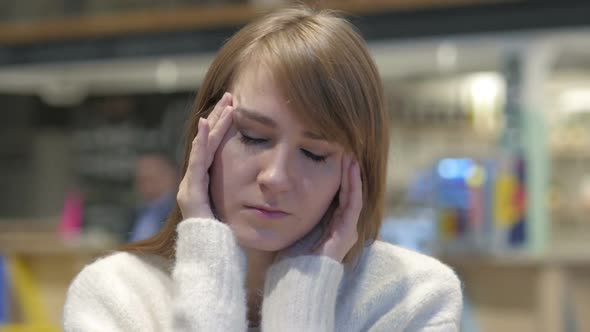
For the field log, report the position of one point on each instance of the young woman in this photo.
(280, 204)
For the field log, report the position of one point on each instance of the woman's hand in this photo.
(193, 191)
(341, 233)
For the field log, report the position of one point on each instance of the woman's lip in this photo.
(262, 208)
(261, 212)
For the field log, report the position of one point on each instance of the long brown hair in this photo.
(322, 66)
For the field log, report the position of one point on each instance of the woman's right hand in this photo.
(193, 191)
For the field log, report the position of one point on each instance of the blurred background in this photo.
(489, 104)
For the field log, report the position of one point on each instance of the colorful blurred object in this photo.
(479, 204)
(26, 296)
(71, 222)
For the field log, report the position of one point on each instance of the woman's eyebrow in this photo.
(265, 120)
(314, 136)
(255, 116)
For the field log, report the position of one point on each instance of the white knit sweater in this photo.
(390, 289)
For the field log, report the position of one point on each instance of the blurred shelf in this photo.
(36, 238)
(126, 23)
(568, 156)
(49, 244)
(565, 258)
(525, 294)
(203, 29)
(184, 17)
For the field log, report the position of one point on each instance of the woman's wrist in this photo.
(205, 239)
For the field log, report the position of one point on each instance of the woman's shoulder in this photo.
(392, 286)
(385, 257)
(394, 289)
(390, 266)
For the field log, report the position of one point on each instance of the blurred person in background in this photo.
(280, 204)
(156, 184)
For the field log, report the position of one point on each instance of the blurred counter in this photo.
(41, 266)
(522, 292)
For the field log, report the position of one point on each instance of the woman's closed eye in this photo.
(314, 156)
(253, 141)
(248, 140)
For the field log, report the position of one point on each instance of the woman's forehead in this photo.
(257, 87)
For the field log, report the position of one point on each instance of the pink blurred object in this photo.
(71, 220)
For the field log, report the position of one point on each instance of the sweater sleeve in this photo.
(118, 293)
(300, 294)
(208, 275)
(121, 294)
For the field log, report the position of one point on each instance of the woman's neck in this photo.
(258, 262)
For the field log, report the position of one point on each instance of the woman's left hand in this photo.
(341, 233)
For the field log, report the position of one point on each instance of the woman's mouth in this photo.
(267, 213)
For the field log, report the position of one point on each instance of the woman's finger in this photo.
(335, 224)
(214, 116)
(331, 225)
(344, 183)
(217, 133)
(198, 152)
(192, 191)
(326, 230)
(355, 203)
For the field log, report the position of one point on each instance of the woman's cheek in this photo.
(323, 180)
(327, 173)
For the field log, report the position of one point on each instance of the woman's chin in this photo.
(259, 240)
(258, 244)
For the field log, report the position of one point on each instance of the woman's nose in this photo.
(274, 174)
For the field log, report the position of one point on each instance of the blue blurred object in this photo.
(452, 190)
(454, 169)
(3, 292)
(416, 232)
(151, 217)
(468, 323)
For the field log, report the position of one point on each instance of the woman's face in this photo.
(272, 179)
